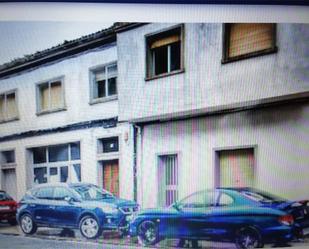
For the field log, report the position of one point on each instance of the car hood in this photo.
(113, 202)
(157, 211)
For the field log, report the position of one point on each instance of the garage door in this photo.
(9, 182)
(236, 168)
(111, 176)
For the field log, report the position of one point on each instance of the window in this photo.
(103, 83)
(107, 145)
(44, 193)
(243, 40)
(8, 106)
(202, 199)
(164, 52)
(57, 163)
(225, 200)
(50, 96)
(8, 156)
(60, 193)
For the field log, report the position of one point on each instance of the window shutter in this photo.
(44, 94)
(55, 95)
(100, 75)
(11, 106)
(165, 41)
(1, 107)
(248, 38)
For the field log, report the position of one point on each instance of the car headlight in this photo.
(109, 209)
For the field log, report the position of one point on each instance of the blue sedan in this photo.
(231, 215)
(77, 206)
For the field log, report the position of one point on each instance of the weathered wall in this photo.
(280, 135)
(207, 85)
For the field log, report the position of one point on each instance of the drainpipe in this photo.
(136, 133)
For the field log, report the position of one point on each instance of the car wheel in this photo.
(147, 233)
(89, 227)
(27, 224)
(12, 222)
(247, 238)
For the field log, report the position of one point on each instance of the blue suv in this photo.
(78, 206)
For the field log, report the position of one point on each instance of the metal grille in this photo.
(169, 179)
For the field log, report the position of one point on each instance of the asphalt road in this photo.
(20, 242)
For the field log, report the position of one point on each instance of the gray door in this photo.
(9, 182)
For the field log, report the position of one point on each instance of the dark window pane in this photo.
(39, 155)
(75, 151)
(76, 173)
(60, 193)
(53, 171)
(160, 60)
(110, 144)
(175, 56)
(8, 156)
(64, 174)
(101, 88)
(44, 193)
(58, 153)
(112, 86)
(40, 175)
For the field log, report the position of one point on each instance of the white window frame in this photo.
(38, 96)
(4, 94)
(5, 165)
(92, 73)
(70, 163)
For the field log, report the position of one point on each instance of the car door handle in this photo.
(32, 205)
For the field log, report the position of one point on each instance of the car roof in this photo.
(43, 185)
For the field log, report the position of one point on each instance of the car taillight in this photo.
(18, 205)
(286, 220)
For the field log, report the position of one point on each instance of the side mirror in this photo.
(69, 199)
(176, 206)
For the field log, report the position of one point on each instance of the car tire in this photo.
(27, 224)
(247, 238)
(89, 227)
(148, 233)
(13, 222)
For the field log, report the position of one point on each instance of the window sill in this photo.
(51, 111)
(9, 120)
(250, 55)
(103, 100)
(165, 75)
(8, 166)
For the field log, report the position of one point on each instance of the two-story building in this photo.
(59, 118)
(216, 105)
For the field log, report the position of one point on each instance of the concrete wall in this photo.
(207, 85)
(90, 167)
(279, 135)
(76, 86)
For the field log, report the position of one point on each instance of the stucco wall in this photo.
(280, 135)
(207, 85)
(89, 160)
(76, 87)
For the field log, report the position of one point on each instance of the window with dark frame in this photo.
(8, 106)
(164, 52)
(107, 145)
(50, 96)
(245, 40)
(8, 156)
(104, 82)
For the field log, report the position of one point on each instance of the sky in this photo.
(20, 38)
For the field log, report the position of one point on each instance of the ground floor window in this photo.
(236, 168)
(167, 179)
(57, 163)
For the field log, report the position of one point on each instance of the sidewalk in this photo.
(113, 238)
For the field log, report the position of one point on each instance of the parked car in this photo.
(78, 206)
(7, 208)
(218, 215)
(298, 209)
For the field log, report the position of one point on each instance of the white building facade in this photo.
(216, 105)
(59, 119)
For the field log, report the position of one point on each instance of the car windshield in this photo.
(261, 196)
(92, 192)
(5, 197)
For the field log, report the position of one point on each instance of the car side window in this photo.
(225, 200)
(44, 193)
(199, 200)
(60, 193)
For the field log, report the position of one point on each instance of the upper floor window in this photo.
(8, 106)
(107, 145)
(50, 96)
(103, 82)
(243, 40)
(164, 52)
(8, 156)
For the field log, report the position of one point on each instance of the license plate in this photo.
(4, 208)
(306, 231)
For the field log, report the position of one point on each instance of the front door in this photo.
(111, 176)
(236, 168)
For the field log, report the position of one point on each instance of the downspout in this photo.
(137, 133)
